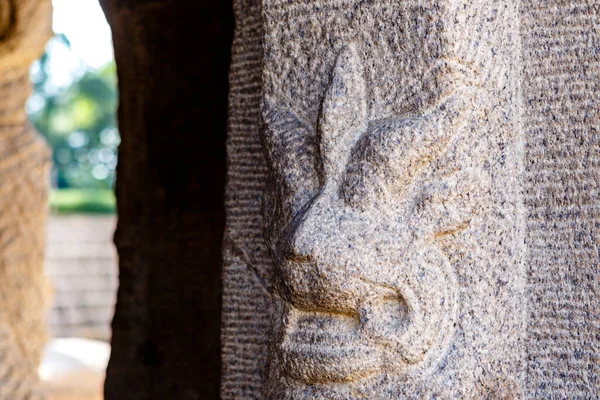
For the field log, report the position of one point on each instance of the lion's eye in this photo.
(375, 172)
(395, 155)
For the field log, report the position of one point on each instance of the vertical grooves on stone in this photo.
(562, 96)
(245, 306)
(18, 380)
(24, 167)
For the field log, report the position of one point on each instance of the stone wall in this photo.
(81, 265)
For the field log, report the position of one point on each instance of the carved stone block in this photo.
(392, 210)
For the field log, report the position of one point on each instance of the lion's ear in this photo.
(343, 116)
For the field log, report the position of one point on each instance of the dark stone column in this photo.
(172, 58)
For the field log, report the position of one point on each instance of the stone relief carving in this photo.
(355, 211)
(392, 158)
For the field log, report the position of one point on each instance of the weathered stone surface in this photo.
(561, 63)
(24, 166)
(247, 265)
(392, 208)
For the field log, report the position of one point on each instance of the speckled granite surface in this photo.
(354, 95)
(392, 209)
(247, 266)
(561, 64)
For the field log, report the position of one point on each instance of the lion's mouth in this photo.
(326, 348)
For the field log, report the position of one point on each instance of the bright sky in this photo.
(83, 22)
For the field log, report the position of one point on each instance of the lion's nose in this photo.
(306, 237)
(317, 271)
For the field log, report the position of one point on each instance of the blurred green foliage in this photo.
(99, 201)
(74, 107)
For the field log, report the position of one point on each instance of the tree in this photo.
(76, 115)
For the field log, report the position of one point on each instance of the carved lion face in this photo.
(355, 212)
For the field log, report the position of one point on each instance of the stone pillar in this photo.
(25, 26)
(172, 61)
(247, 264)
(391, 210)
(561, 58)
